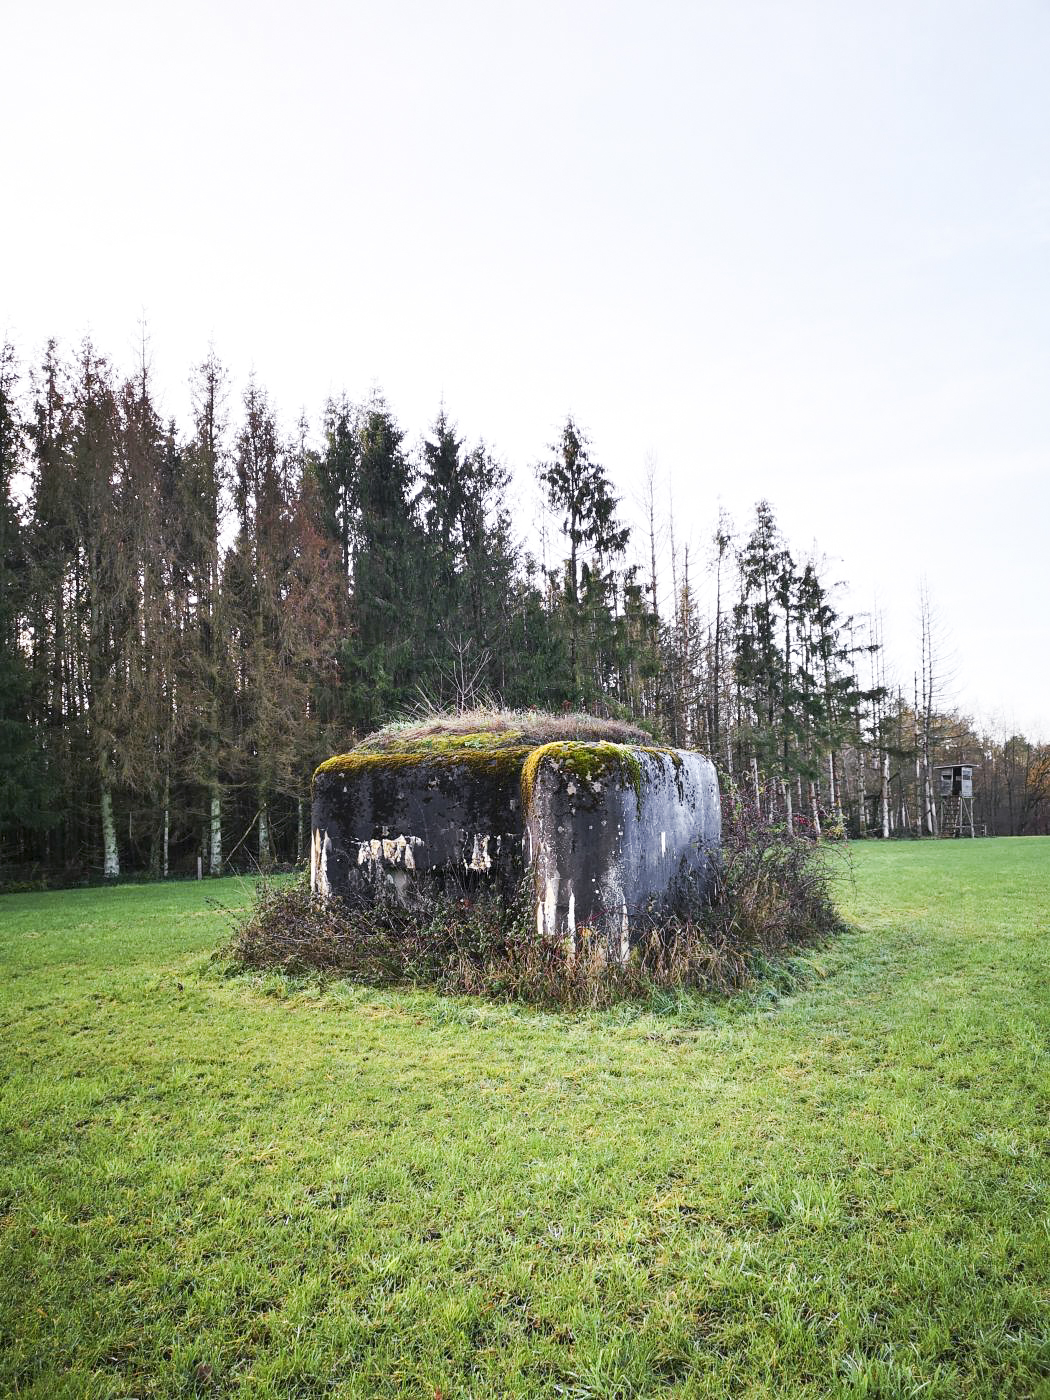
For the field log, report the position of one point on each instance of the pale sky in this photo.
(789, 250)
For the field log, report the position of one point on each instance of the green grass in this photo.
(217, 1186)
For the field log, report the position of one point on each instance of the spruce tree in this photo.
(580, 493)
(24, 800)
(385, 657)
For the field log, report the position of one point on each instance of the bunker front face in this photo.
(611, 835)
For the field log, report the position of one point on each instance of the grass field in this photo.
(217, 1186)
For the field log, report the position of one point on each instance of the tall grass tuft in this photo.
(772, 897)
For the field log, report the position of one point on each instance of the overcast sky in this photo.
(790, 250)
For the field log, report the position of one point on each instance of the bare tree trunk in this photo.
(833, 789)
(885, 795)
(918, 764)
(110, 855)
(215, 833)
(265, 855)
(814, 807)
(789, 816)
(932, 823)
(167, 826)
(930, 692)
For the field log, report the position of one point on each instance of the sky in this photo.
(794, 251)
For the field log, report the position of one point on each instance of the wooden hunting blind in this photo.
(956, 780)
(955, 791)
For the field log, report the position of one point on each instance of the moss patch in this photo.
(490, 762)
(589, 762)
(501, 754)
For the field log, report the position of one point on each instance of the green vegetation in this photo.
(499, 742)
(166, 693)
(497, 762)
(486, 728)
(835, 1184)
(589, 762)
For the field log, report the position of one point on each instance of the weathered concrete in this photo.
(388, 818)
(614, 835)
(618, 836)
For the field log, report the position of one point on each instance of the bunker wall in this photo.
(614, 836)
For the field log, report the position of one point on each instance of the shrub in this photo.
(772, 897)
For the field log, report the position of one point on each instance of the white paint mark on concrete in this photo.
(479, 857)
(550, 905)
(322, 881)
(391, 852)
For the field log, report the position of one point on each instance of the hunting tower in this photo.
(955, 798)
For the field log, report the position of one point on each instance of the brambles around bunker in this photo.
(473, 938)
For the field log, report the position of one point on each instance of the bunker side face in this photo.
(614, 835)
(384, 819)
(618, 836)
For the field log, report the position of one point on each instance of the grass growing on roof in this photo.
(834, 1186)
(491, 728)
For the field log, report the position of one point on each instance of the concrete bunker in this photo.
(611, 830)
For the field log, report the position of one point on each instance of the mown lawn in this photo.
(215, 1187)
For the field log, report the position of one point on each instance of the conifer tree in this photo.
(580, 493)
(385, 656)
(254, 576)
(24, 802)
(336, 473)
(471, 555)
(146, 699)
(208, 685)
(103, 579)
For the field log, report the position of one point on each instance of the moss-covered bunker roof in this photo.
(491, 740)
(497, 729)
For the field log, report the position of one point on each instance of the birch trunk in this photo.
(918, 765)
(264, 838)
(110, 856)
(833, 789)
(215, 833)
(885, 796)
(931, 807)
(165, 841)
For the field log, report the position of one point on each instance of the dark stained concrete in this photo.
(613, 835)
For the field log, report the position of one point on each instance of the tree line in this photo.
(194, 615)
